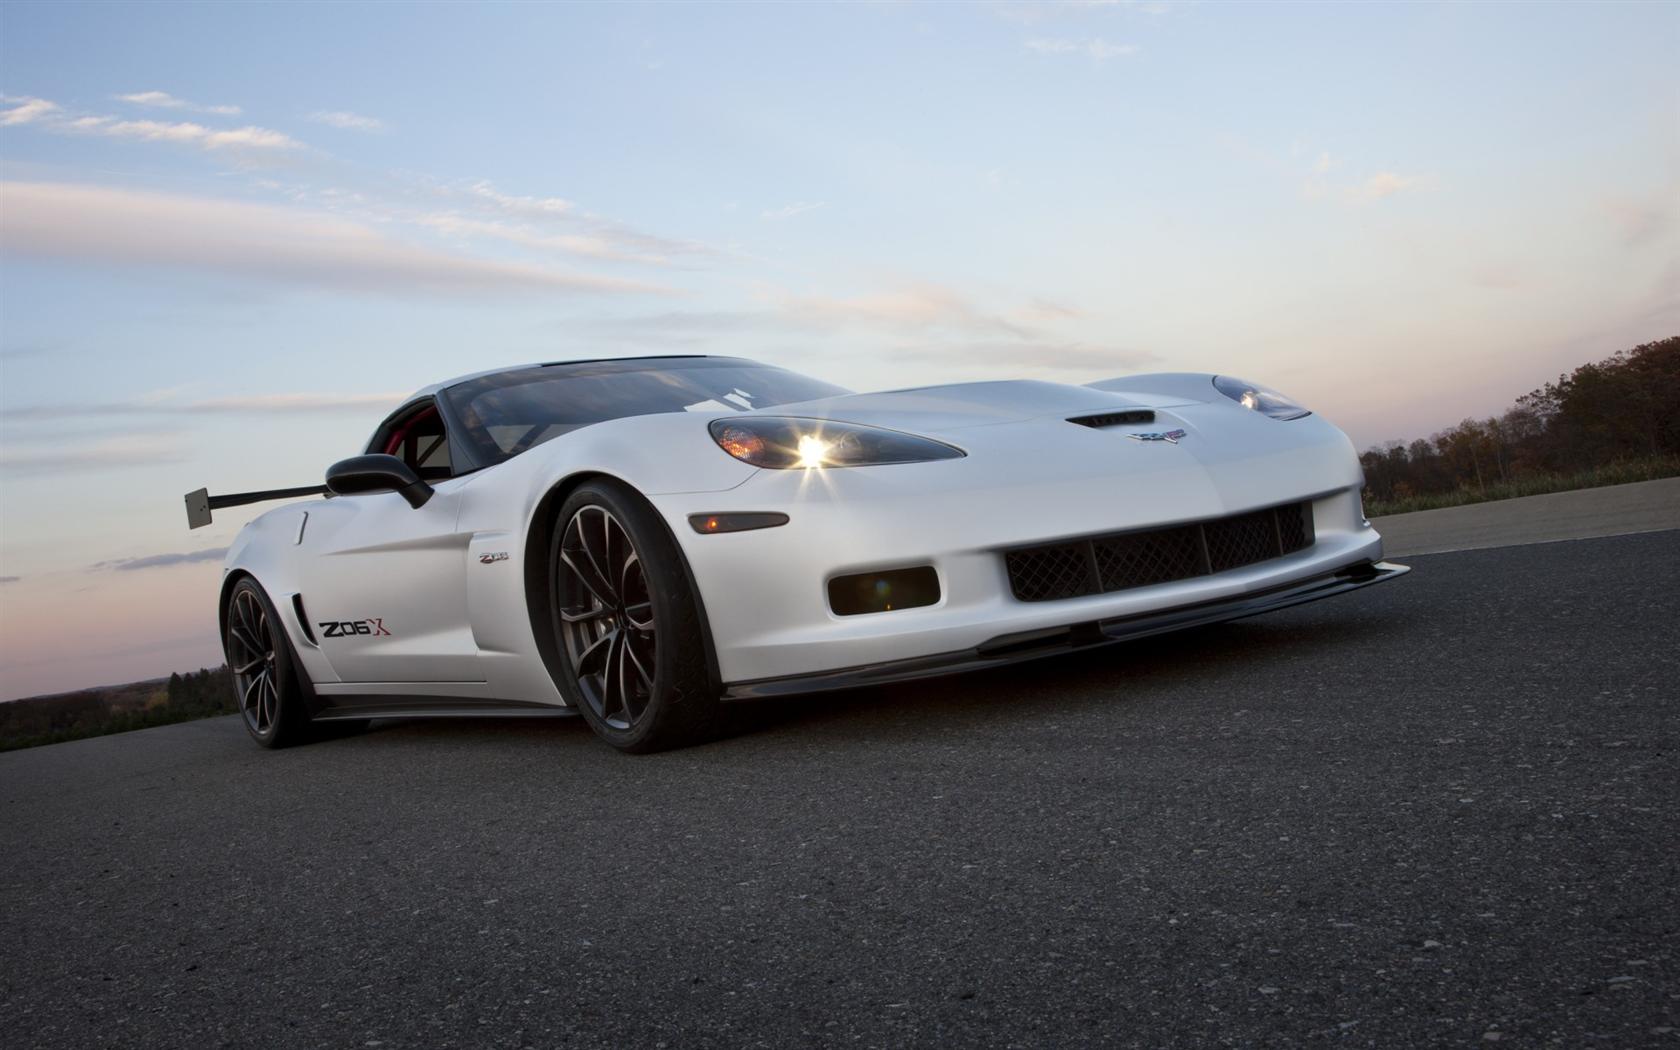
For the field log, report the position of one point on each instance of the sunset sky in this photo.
(231, 236)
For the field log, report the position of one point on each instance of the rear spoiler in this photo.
(201, 503)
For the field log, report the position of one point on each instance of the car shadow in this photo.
(1199, 661)
(1206, 659)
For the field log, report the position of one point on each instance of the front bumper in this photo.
(1032, 645)
(765, 591)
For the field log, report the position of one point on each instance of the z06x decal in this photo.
(345, 628)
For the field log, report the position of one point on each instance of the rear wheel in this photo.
(627, 624)
(265, 681)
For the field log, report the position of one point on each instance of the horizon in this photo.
(215, 272)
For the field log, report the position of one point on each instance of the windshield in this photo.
(504, 414)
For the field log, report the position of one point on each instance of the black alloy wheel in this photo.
(264, 681)
(606, 616)
(627, 624)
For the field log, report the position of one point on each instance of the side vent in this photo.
(1115, 419)
(303, 619)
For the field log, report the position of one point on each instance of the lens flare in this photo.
(813, 451)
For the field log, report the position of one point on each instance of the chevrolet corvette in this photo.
(640, 541)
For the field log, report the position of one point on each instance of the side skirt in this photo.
(346, 707)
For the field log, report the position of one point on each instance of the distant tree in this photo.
(1624, 408)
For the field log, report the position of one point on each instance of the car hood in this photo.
(1206, 457)
(955, 406)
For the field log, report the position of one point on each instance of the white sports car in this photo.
(641, 540)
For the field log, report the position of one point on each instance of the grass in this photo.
(38, 720)
(119, 723)
(1534, 485)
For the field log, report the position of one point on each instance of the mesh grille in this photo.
(1118, 562)
(1242, 540)
(1295, 527)
(1138, 559)
(1041, 574)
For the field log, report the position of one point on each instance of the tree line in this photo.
(116, 709)
(1621, 411)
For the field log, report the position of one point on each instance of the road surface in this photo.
(1614, 510)
(1442, 810)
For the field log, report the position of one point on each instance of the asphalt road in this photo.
(1443, 810)
(1613, 510)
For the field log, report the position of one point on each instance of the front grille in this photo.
(1043, 573)
(1242, 540)
(1123, 560)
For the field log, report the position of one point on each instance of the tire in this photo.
(267, 691)
(627, 625)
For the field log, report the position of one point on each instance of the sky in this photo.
(232, 236)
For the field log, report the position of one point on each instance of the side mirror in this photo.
(377, 473)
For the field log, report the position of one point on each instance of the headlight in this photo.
(1262, 400)
(783, 442)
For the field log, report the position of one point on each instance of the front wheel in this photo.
(627, 624)
(265, 681)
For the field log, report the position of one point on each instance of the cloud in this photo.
(154, 561)
(164, 100)
(339, 118)
(125, 451)
(1027, 358)
(1383, 184)
(1045, 310)
(520, 207)
(479, 209)
(288, 403)
(284, 245)
(26, 110)
(574, 243)
(1095, 47)
(1318, 181)
(249, 139)
(1033, 13)
(185, 133)
(268, 404)
(788, 211)
(1637, 220)
(1501, 275)
(910, 309)
(911, 306)
(683, 326)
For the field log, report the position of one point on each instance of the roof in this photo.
(428, 391)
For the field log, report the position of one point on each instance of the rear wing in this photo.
(201, 503)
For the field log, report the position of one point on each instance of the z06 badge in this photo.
(345, 628)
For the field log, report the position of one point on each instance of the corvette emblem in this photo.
(1170, 437)
(493, 557)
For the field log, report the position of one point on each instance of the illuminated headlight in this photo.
(1260, 399)
(784, 442)
(812, 451)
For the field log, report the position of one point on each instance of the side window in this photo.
(417, 438)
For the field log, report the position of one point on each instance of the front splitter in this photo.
(1032, 645)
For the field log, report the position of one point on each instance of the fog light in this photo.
(874, 592)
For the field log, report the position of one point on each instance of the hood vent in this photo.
(1115, 419)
